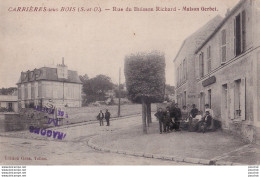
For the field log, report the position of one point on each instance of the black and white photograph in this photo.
(129, 83)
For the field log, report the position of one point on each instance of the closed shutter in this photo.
(243, 31)
(228, 100)
(197, 70)
(234, 47)
(243, 99)
(232, 103)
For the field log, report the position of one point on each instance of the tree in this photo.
(84, 78)
(7, 91)
(123, 93)
(169, 92)
(96, 88)
(145, 81)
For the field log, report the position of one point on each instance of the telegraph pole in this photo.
(119, 94)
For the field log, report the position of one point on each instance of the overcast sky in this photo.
(94, 43)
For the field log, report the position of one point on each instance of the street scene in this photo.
(89, 96)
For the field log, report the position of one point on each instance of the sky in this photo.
(94, 42)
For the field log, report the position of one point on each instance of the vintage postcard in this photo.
(130, 82)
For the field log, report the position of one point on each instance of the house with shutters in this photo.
(57, 86)
(184, 63)
(227, 66)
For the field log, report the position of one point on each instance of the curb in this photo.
(160, 156)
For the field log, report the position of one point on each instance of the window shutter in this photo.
(197, 71)
(232, 103)
(228, 101)
(243, 99)
(243, 31)
(235, 37)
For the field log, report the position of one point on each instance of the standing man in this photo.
(100, 117)
(167, 120)
(107, 117)
(177, 116)
(160, 117)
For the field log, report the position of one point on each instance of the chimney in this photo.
(63, 61)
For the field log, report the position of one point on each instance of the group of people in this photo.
(175, 119)
(101, 117)
(170, 119)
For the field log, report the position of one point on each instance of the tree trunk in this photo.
(144, 112)
(149, 117)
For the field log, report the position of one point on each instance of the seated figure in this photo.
(205, 123)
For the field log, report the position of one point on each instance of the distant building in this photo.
(184, 62)
(58, 86)
(9, 103)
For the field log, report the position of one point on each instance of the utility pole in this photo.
(119, 93)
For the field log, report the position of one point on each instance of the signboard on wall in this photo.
(209, 81)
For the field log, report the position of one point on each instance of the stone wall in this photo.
(25, 118)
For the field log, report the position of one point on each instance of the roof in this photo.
(200, 35)
(8, 98)
(221, 24)
(48, 74)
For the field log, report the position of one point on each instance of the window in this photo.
(40, 90)
(184, 69)
(209, 98)
(32, 91)
(240, 33)
(225, 98)
(201, 61)
(181, 73)
(237, 98)
(19, 92)
(178, 76)
(184, 98)
(202, 101)
(209, 58)
(25, 91)
(10, 106)
(223, 46)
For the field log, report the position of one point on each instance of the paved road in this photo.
(73, 150)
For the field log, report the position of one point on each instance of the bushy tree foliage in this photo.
(84, 78)
(96, 88)
(7, 91)
(145, 77)
(145, 80)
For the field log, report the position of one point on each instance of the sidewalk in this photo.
(216, 148)
(125, 136)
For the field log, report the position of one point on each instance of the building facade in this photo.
(227, 66)
(227, 70)
(9, 103)
(57, 86)
(184, 63)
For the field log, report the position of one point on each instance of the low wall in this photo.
(24, 119)
(246, 132)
